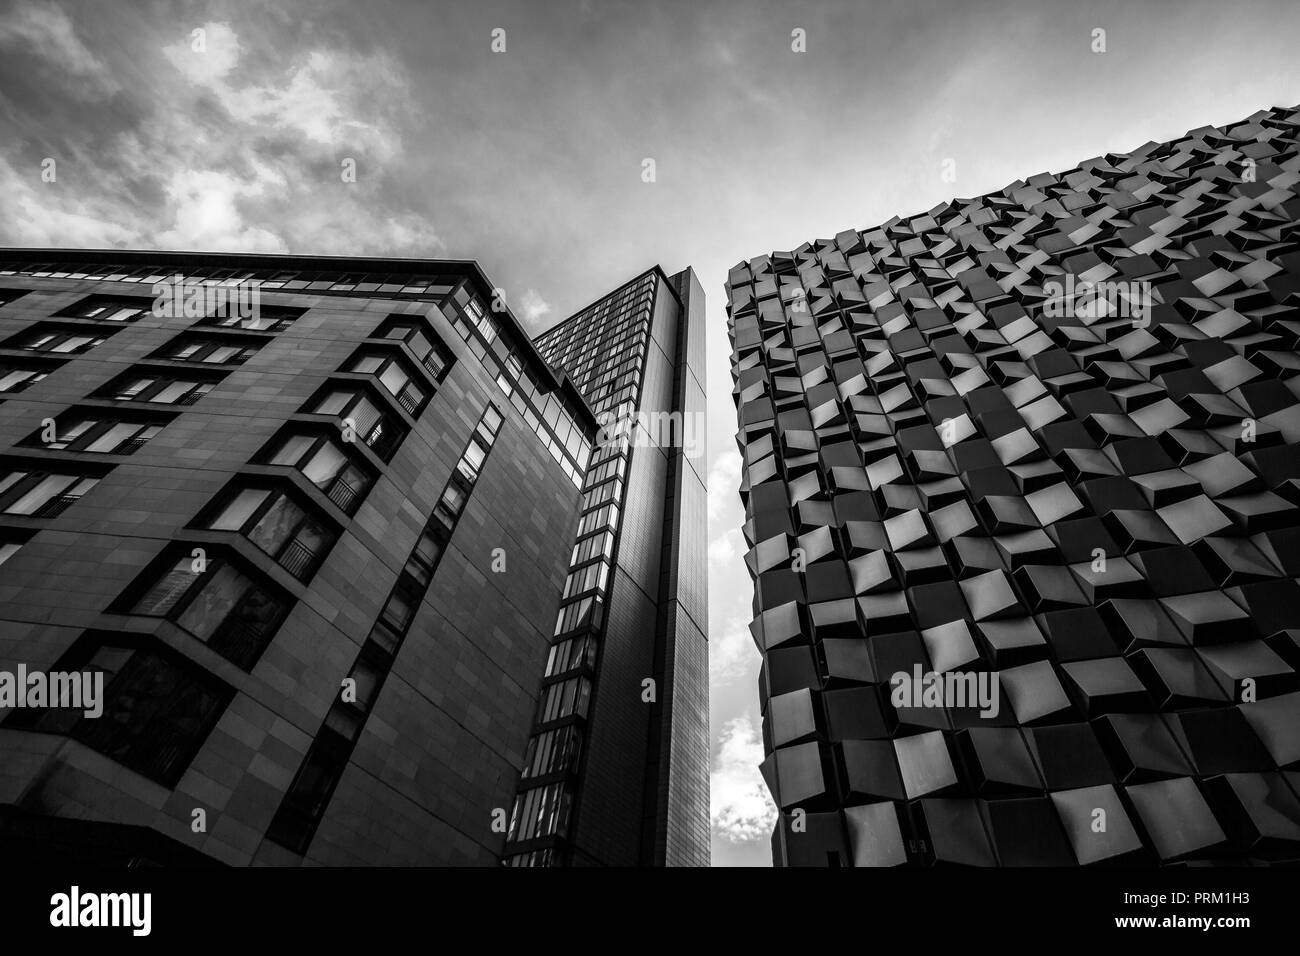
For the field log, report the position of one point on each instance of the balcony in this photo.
(298, 559)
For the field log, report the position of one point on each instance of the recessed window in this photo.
(471, 461)
(56, 339)
(362, 419)
(11, 541)
(207, 351)
(268, 318)
(552, 751)
(108, 308)
(304, 803)
(540, 812)
(80, 431)
(427, 348)
(14, 379)
(40, 493)
(217, 602)
(158, 708)
(394, 375)
(324, 463)
(478, 317)
(156, 387)
(278, 525)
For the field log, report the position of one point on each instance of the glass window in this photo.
(114, 437)
(237, 514)
(41, 495)
(292, 449)
(328, 461)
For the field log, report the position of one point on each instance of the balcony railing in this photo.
(297, 559)
(55, 506)
(342, 494)
(239, 641)
(435, 364)
(410, 400)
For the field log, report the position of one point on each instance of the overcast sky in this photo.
(530, 160)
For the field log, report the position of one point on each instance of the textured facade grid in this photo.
(1045, 442)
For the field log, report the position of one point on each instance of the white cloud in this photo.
(218, 54)
(533, 306)
(724, 480)
(206, 188)
(732, 653)
(725, 549)
(47, 32)
(33, 218)
(322, 99)
(740, 807)
(208, 217)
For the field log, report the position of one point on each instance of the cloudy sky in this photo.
(530, 160)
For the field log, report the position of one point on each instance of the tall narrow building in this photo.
(1021, 486)
(327, 534)
(637, 355)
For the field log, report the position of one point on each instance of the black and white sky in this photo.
(530, 159)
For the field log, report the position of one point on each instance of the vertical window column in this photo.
(304, 804)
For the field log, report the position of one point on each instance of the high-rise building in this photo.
(1021, 485)
(637, 355)
(336, 539)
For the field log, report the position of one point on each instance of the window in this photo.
(158, 708)
(471, 461)
(540, 812)
(41, 494)
(591, 577)
(11, 542)
(107, 308)
(361, 417)
(14, 379)
(55, 339)
(571, 654)
(219, 604)
(564, 699)
(305, 803)
(83, 432)
(10, 295)
(326, 465)
(309, 794)
(279, 526)
(207, 351)
(552, 751)
(268, 318)
(431, 353)
(160, 388)
(476, 314)
(597, 546)
(393, 375)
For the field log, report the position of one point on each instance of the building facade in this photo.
(637, 355)
(312, 520)
(1021, 477)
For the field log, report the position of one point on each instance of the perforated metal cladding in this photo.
(1046, 441)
